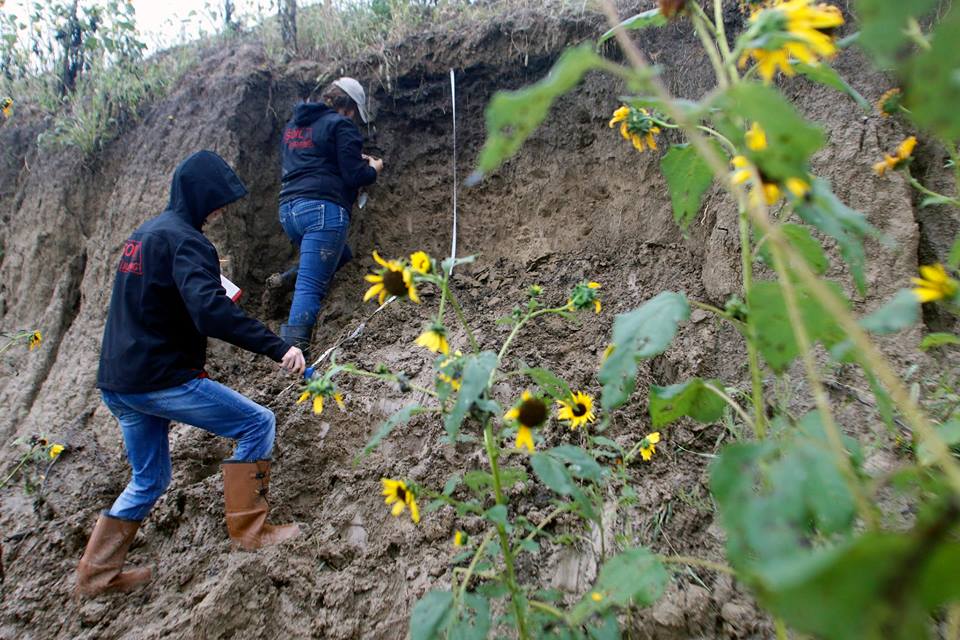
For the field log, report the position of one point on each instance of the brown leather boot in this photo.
(245, 486)
(101, 567)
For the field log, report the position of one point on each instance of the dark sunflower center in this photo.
(829, 31)
(394, 284)
(579, 409)
(401, 494)
(532, 412)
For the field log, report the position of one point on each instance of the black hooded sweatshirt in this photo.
(167, 296)
(321, 159)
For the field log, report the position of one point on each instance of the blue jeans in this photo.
(145, 421)
(319, 229)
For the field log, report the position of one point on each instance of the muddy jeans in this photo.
(319, 229)
(145, 421)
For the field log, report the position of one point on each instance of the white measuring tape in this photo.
(453, 99)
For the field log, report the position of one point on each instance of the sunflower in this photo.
(459, 538)
(578, 410)
(450, 371)
(34, 341)
(607, 352)
(934, 284)
(637, 126)
(756, 137)
(420, 262)
(648, 445)
(318, 389)
(397, 494)
(529, 413)
(898, 160)
(793, 28)
(6, 106)
(584, 295)
(890, 102)
(435, 339)
(394, 279)
(771, 190)
(55, 451)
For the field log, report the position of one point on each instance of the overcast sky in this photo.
(165, 22)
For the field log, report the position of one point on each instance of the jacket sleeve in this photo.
(197, 276)
(354, 170)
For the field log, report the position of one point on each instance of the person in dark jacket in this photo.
(323, 169)
(167, 299)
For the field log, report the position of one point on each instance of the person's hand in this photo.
(293, 361)
(376, 163)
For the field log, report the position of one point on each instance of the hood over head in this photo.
(203, 183)
(307, 112)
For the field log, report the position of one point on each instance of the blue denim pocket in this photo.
(309, 215)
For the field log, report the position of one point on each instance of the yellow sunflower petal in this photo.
(380, 261)
(318, 404)
(373, 291)
(524, 439)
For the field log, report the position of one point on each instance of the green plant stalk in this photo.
(781, 629)
(543, 523)
(874, 360)
(463, 320)
(733, 405)
(515, 594)
(444, 289)
(753, 354)
(929, 192)
(700, 22)
(469, 573)
(386, 377)
(546, 608)
(23, 461)
(820, 398)
(516, 330)
(728, 60)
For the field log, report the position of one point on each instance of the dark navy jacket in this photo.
(167, 296)
(321, 159)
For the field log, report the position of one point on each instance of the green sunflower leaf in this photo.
(823, 210)
(497, 514)
(512, 116)
(900, 312)
(826, 75)
(949, 432)
(633, 577)
(642, 20)
(883, 26)
(688, 177)
(554, 386)
(552, 473)
(953, 260)
(938, 339)
(932, 91)
(582, 464)
(691, 398)
(401, 417)
(791, 140)
(775, 337)
(430, 615)
(476, 378)
(804, 243)
(473, 619)
(645, 332)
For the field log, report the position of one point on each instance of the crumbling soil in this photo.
(576, 203)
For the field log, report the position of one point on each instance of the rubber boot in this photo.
(101, 567)
(245, 487)
(298, 335)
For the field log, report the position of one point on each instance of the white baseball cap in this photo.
(353, 89)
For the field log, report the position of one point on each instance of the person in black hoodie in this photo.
(323, 169)
(167, 299)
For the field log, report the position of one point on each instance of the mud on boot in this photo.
(101, 567)
(245, 488)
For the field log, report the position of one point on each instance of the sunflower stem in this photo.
(493, 456)
(733, 405)
(23, 461)
(444, 289)
(830, 428)
(929, 192)
(753, 355)
(387, 377)
(728, 59)
(462, 318)
(540, 527)
(471, 569)
(701, 26)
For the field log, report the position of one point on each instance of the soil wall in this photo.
(576, 203)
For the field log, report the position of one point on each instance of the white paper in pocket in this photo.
(233, 291)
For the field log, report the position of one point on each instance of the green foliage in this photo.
(645, 332)
(949, 432)
(804, 243)
(430, 614)
(791, 140)
(775, 335)
(642, 20)
(691, 398)
(476, 378)
(932, 101)
(512, 116)
(900, 312)
(953, 260)
(688, 177)
(635, 576)
(883, 26)
(828, 76)
(552, 385)
(938, 339)
(823, 210)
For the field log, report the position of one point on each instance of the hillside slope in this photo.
(576, 203)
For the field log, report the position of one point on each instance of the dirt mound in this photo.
(576, 203)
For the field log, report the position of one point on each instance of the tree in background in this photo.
(288, 27)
